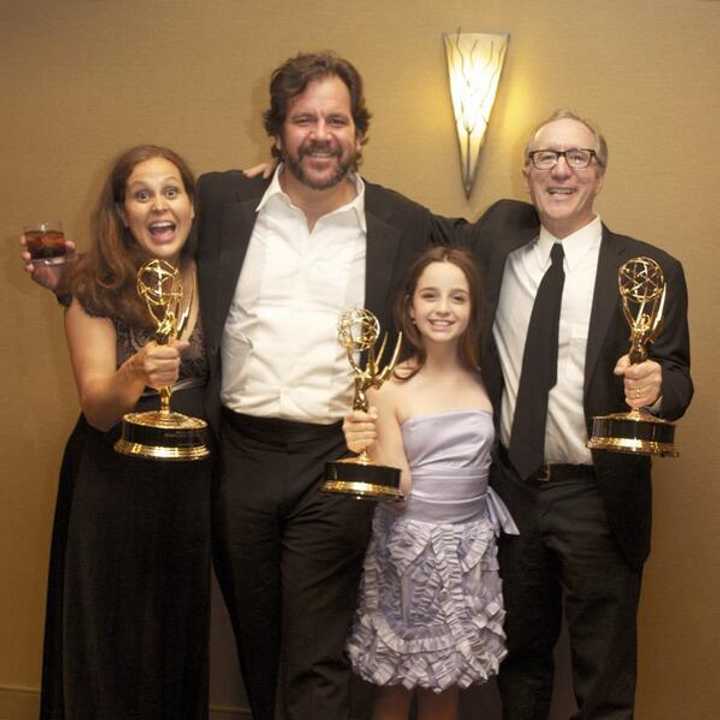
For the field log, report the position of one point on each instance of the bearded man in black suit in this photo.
(278, 261)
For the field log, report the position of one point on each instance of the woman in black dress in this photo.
(128, 593)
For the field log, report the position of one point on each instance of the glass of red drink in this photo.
(45, 242)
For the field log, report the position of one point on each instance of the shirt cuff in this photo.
(656, 407)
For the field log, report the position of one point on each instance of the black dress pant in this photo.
(566, 556)
(288, 559)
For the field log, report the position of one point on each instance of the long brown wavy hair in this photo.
(470, 341)
(104, 278)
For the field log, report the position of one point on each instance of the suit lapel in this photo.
(495, 272)
(605, 299)
(381, 250)
(235, 230)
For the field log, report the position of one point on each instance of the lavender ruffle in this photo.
(430, 609)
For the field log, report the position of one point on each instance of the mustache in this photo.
(311, 146)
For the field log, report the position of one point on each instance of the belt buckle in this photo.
(544, 474)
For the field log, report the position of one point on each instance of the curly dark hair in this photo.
(293, 76)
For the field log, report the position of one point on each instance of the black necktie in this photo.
(539, 371)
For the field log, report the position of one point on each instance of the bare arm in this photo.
(389, 449)
(107, 392)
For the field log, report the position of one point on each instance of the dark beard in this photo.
(343, 168)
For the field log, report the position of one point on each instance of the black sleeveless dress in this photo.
(128, 605)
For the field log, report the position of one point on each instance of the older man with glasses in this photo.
(556, 356)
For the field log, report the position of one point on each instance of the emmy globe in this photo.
(642, 288)
(358, 332)
(163, 434)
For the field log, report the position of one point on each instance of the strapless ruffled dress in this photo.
(430, 609)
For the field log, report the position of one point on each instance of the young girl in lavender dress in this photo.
(430, 611)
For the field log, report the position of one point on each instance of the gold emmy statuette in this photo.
(642, 289)
(358, 331)
(163, 434)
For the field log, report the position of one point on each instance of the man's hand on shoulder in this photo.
(265, 169)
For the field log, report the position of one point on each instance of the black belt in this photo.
(562, 471)
(554, 472)
(269, 429)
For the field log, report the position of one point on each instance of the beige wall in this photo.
(81, 79)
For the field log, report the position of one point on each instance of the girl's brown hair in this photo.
(470, 341)
(104, 279)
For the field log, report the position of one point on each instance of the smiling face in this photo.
(441, 304)
(564, 196)
(157, 209)
(319, 141)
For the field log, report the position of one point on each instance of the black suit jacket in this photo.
(397, 229)
(623, 480)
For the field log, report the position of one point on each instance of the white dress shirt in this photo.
(565, 434)
(280, 353)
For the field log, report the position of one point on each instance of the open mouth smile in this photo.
(162, 231)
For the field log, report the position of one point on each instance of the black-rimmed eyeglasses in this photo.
(576, 158)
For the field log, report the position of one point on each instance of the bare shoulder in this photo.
(477, 393)
(77, 314)
(87, 333)
(401, 391)
(387, 394)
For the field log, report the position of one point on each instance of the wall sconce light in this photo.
(475, 62)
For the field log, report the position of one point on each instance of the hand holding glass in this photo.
(45, 241)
